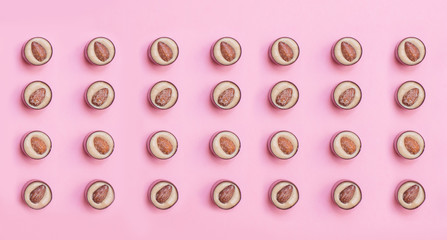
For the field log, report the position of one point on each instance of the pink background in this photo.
(195, 25)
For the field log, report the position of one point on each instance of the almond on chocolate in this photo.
(284, 194)
(285, 51)
(226, 97)
(346, 97)
(164, 145)
(410, 51)
(226, 51)
(37, 194)
(226, 194)
(37, 51)
(99, 95)
(410, 194)
(163, 97)
(164, 51)
(346, 145)
(347, 51)
(38, 145)
(410, 95)
(100, 51)
(99, 145)
(163, 194)
(347, 194)
(100, 194)
(284, 97)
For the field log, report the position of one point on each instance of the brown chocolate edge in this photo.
(397, 52)
(397, 97)
(88, 102)
(155, 105)
(85, 144)
(333, 53)
(26, 60)
(22, 142)
(212, 140)
(217, 104)
(26, 186)
(88, 58)
(88, 187)
(271, 193)
(271, 97)
(26, 102)
(149, 149)
(153, 185)
(340, 182)
(397, 193)
(334, 101)
(152, 59)
(212, 52)
(332, 144)
(397, 139)
(275, 62)
(219, 182)
(269, 144)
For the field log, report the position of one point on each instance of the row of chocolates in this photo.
(225, 51)
(225, 95)
(225, 194)
(223, 144)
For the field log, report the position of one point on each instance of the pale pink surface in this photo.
(195, 25)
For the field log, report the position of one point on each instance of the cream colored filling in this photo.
(342, 87)
(401, 144)
(160, 86)
(154, 51)
(90, 144)
(29, 53)
(403, 56)
(278, 88)
(355, 199)
(91, 50)
(339, 55)
(218, 55)
(220, 88)
(276, 150)
(217, 149)
(170, 201)
(290, 202)
(96, 86)
(107, 201)
(275, 52)
(45, 200)
(419, 199)
(28, 148)
(233, 201)
(155, 150)
(31, 88)
(404, 88)
(339, 149)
